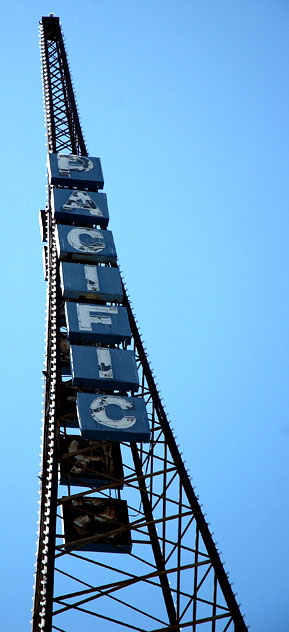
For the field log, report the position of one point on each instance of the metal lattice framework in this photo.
(173, 579)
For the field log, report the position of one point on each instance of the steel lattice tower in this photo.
(172, 578)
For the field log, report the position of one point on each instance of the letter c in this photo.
(98, 411)
(86, 239)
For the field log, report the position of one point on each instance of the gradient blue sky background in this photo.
(186, 103)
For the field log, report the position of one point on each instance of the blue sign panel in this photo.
(79, 243)
(112, 417)
(96, 524)
(108, 369)
(92, 463)
(80, 280)
(84, 207)
(97, 323)
(69, 170)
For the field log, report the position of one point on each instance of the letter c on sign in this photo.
(100, 412)
(86, 239)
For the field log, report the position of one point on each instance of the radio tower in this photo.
(123, 543)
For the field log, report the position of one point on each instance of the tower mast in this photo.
(123, 542)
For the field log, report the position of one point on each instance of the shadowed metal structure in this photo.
(169, 575)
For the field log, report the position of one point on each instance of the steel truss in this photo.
(173, 579)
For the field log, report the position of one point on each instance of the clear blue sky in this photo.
(186, 103)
